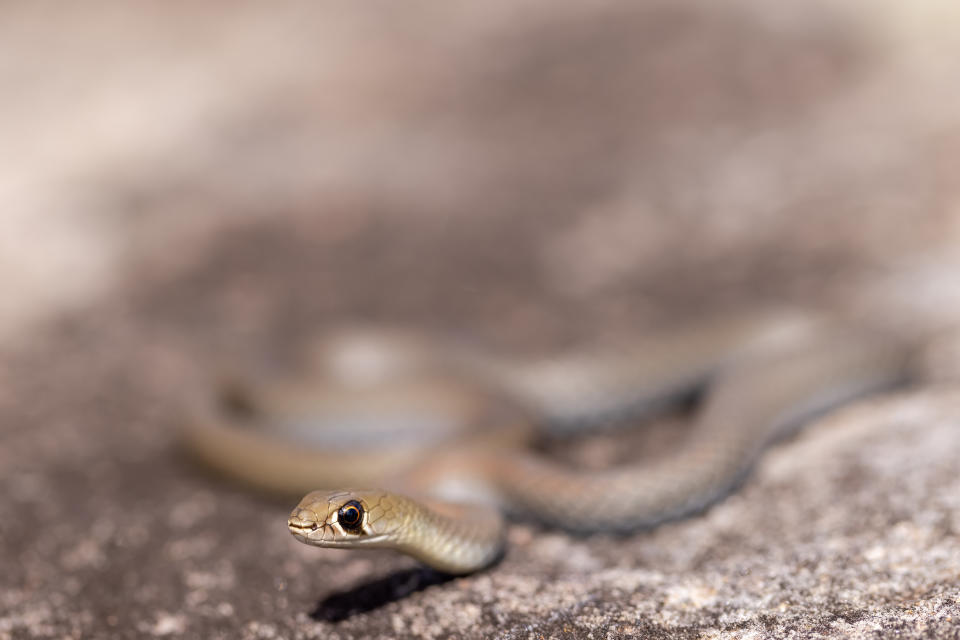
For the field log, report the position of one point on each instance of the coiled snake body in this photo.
(444, 430)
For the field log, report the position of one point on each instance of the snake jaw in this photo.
(329, 535)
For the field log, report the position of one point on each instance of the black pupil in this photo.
(350, 514)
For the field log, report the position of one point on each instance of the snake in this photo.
(421, 445)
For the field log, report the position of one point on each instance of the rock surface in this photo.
(608, 170)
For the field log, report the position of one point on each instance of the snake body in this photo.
(446, 428)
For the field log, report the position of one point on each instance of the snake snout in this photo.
(302, 521)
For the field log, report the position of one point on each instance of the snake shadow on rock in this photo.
(374, 594)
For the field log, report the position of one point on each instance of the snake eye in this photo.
(350, 515)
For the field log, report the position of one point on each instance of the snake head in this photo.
(342, 519)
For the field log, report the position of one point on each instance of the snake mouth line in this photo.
(302, 528)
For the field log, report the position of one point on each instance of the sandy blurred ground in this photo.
(635, 137)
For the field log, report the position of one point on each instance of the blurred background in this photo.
(182, 183)
(494, 164)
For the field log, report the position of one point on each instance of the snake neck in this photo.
(453, 538)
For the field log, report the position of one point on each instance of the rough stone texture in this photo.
(522, 175)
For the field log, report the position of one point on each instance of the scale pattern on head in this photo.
(344, 518)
